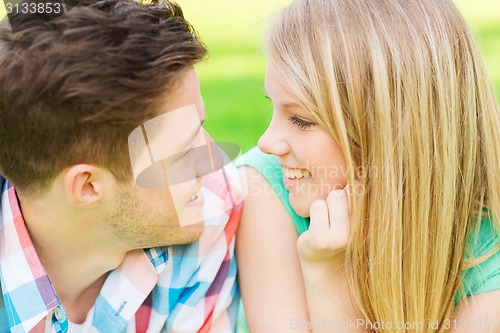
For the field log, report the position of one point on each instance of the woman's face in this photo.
(313, 164)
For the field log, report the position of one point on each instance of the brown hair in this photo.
(72, 89)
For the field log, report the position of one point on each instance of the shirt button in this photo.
(58, 312)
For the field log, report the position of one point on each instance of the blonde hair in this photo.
(401, 87)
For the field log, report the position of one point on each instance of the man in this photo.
(102, 154)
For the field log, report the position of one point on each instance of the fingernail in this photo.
(337, 192)
(317, 203)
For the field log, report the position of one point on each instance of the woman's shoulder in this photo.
(260, 161)
(483, 238)
(266, 165)
(483, 259)
(269, 167)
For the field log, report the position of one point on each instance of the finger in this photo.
(357, 191)
(347, 190)
(319, 220)
(338, 210)
(338, 207)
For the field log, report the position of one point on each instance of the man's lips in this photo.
(195, 196)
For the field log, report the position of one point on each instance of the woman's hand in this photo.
(329, 231)
(321, 251)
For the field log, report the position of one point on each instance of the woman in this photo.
(388, 100)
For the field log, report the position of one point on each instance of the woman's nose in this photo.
(273, 141)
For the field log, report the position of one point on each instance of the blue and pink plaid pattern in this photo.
(185, 288)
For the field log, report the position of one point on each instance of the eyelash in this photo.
(188, 152)
(185, 155)
(300, 123)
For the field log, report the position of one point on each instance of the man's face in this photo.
(164, 205)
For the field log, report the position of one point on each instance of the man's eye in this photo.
(179, 157)
(300, 123)
(186, 154)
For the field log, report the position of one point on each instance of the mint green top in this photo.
(478, 279)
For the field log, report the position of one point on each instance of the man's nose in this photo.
(209, 159)
(273, 140)
(214, 156)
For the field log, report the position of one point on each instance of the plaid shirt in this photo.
(181, 288)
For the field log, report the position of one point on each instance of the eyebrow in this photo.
(286, 105)
(290, 105)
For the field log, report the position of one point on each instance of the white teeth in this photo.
(296, 173)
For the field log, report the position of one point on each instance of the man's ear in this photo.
(85, 184)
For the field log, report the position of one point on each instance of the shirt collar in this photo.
(23, 276)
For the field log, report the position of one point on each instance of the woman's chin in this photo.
(301, 205)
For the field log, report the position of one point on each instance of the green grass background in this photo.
(232, 76)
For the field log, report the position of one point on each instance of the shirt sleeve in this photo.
(198, 290)
(484, 277)
(223, 318)
(222, 297)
